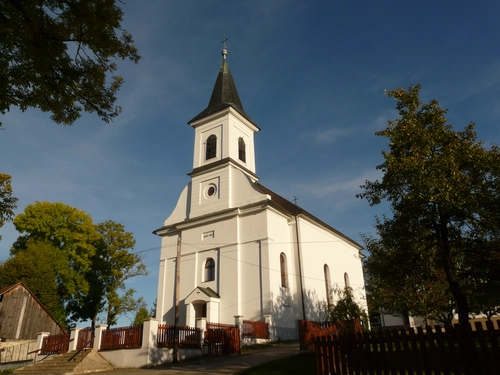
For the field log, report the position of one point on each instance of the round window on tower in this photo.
(210, 191)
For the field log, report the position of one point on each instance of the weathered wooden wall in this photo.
(22, 316)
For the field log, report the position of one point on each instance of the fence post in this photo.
(238, 322)
(150, 333)
(99, 329)
(39, 339)
(201, 324)
(73, 339)
(150, 339)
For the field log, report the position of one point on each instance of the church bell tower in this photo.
(223, 143)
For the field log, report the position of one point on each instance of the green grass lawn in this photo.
(300, 364)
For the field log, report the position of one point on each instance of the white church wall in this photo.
(254, 284)
(180, 212)
(235, 131)
(286, 302)
(229, 284)
(201, 202)
(320, 247)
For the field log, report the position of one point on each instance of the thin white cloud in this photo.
(325, 136)
(338, 187)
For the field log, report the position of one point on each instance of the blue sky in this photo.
(311, 74)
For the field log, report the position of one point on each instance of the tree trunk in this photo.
(459, 296)
(451, 276)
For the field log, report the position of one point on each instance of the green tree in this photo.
(152, 312)
(59, 56)
(91, 262)
(72, 234)
(112, 265)
(121, 304)
(36, 268)
(7, 202)
(406, 284)
(345, 306)
(141, 315)
(443, 189)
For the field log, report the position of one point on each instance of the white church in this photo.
(245, 252)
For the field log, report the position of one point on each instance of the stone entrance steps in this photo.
(78, 362)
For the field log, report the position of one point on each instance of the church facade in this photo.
(245, 251)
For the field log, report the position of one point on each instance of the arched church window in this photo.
(346, 280)
(211, 149)
(328, 284)
(209, 270)
(284, 270)
(242, 150)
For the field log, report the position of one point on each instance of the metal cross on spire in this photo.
(224, 51)
(224, 41)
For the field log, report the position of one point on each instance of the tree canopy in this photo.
(59, 56)
(112, 264)
(90, 262)
(344, 307)
(443, 187)
(8, 203)
(141, 315)
(70, 231)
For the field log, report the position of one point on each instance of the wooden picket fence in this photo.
(254, 329)
(189, 337)
(122, 338)
(85, 338)
(309, 330)
(55, 344)
(451, 350)
(222, 339)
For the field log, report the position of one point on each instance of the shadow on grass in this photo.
(299, 364)
(248, 348)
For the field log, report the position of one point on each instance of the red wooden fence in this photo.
(222, 339)
(122, 338)
(85, 338)
(189, 337)
(258, 330)
(309, 330)
(447, 351)
(55, 344)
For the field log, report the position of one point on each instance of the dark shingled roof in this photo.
(293, 209)
(224, 95)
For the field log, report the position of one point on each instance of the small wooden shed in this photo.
(22, 315)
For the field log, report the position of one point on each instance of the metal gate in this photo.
(222, 339)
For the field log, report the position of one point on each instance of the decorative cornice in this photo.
(219, 164)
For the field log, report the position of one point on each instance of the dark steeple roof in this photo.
(224, 94)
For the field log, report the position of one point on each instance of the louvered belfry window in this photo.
(211, 150)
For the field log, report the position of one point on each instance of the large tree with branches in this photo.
(60, 56)
(443, 187)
